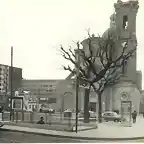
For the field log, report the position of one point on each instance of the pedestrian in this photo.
(41, 121)
(143, 114)
(134, 116)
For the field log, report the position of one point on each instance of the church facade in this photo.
(122, 28)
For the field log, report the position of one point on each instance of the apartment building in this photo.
(5, 81)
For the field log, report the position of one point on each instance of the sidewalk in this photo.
(55, 127)
(105, 131)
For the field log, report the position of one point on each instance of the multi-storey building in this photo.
(5, 81)
(4, 78)
(56, 94)
(44, 91)
(40, 87)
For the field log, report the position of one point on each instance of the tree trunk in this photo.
(86, 106)
(100, 109)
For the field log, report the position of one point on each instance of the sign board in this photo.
(17, 103)
(126, 107)
(47, 100)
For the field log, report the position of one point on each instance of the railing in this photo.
(33, 117)
(53, 121)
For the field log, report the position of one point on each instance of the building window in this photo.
(1, 97)
(129, 109)
(124, 67)
(52, 100)
(30, 106)
(125, 22)
(50, 90)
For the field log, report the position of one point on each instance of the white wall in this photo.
(134, 95)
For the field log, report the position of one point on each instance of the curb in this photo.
(74, 137)
(68, 129)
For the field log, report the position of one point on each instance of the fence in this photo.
(33, 117)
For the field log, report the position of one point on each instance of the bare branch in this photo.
(110, 68)
(72, 53)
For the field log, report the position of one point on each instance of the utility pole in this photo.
(11, 73)
(77, 85)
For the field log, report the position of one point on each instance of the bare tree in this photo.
(99, 67)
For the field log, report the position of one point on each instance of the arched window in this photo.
(124, 66)
(125, 22)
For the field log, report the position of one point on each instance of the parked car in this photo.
(92, 114)
(47, 110)
(111, 116)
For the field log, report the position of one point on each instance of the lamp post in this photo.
(77, 85)
(11, 72)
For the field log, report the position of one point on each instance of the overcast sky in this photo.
(36, 28)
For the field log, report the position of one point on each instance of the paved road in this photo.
(12, 137)
(17, 137)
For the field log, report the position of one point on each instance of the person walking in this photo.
(134, 116)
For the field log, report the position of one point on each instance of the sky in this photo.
(37, 28)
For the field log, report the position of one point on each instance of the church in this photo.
(122, 28)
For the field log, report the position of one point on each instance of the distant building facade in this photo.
(57, 94)
(44, 91)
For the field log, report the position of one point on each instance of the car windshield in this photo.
(113, 114)
(110, 114)
(68, 110)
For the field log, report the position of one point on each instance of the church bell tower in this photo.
(126, 13)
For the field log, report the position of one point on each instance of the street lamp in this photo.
(11, 72)
(77, 84)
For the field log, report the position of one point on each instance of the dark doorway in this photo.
(93, 106)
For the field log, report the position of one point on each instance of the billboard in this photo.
(47, 100)
(17, 103)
